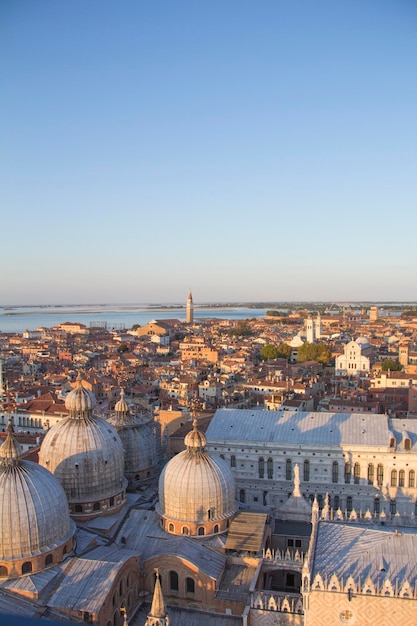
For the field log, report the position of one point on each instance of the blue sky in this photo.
(248, 150)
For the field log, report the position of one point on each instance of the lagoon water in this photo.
(18, 319)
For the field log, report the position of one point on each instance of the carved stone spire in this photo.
(158, 613)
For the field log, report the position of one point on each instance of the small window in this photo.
(78, 508)
(380, 474)
(233, 461)
(288, 470)
(27, 567)
(48, 560)
(201, 530)
(3, 571)
(216, 528)
(270, 468)
(189, 585)
(407, 444)
(336, 503)
(185, 530)
(173, 581)
(411, 478)
(349, 504)
(335, 472)
(401, 478)
(393, 478)
(377, 506)
(242, 495)
(171, 527)
(393, 507)
(261, 467)
(356, 473)
(96, 506)
(348, 472)
(371, 474)
(306, 475)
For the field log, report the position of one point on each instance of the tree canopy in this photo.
(284, 350)
(392, 365)
(269, 351)
(314, 352)
(242, 329)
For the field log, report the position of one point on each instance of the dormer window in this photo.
(407, 444)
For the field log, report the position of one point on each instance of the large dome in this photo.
(85, 453)
(36, 528)
(196, 490)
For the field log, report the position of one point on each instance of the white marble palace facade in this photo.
(363, 462)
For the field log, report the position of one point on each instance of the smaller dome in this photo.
(121, 406)
(362, 341)
(11, 449)
(195, 440)
(80, 399)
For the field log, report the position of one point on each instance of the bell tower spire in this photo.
(189, 317)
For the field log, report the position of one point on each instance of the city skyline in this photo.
(252, 153)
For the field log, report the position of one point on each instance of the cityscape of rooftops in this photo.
(208, 328)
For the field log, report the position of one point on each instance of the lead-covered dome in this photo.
(196, 490)
(139, 442)
(36, 528)
(80, 399)
(85, 453)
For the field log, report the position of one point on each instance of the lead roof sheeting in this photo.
(358, 551)
(246, 532)
(289, 427)
(292, 529)
(85, 586)
(33, 583)
(145, 536)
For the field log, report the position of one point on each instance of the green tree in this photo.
(284, 350)
(392, 365)
(323, 355)
(269, 351)
(135, 326)
(242, 329)
(123, 348)
(314, 352)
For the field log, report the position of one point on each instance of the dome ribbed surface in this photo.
(34, 514)
(121, 406)
(192, 483)
(86, 455)
(80, 399)
(139, 445)
(195, 440)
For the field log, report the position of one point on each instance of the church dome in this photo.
(362, 341)
(139, 444)
(80, 399)
(36, 528)
(86, 454)
(121, 406)
(196, 490)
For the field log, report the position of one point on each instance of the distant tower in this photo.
(157, 616)
(403, 355)
(2, 387)
(318, 326)
(373, 314)
(310, 329)
(189, 318)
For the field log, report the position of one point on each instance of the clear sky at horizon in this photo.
(252, 151)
